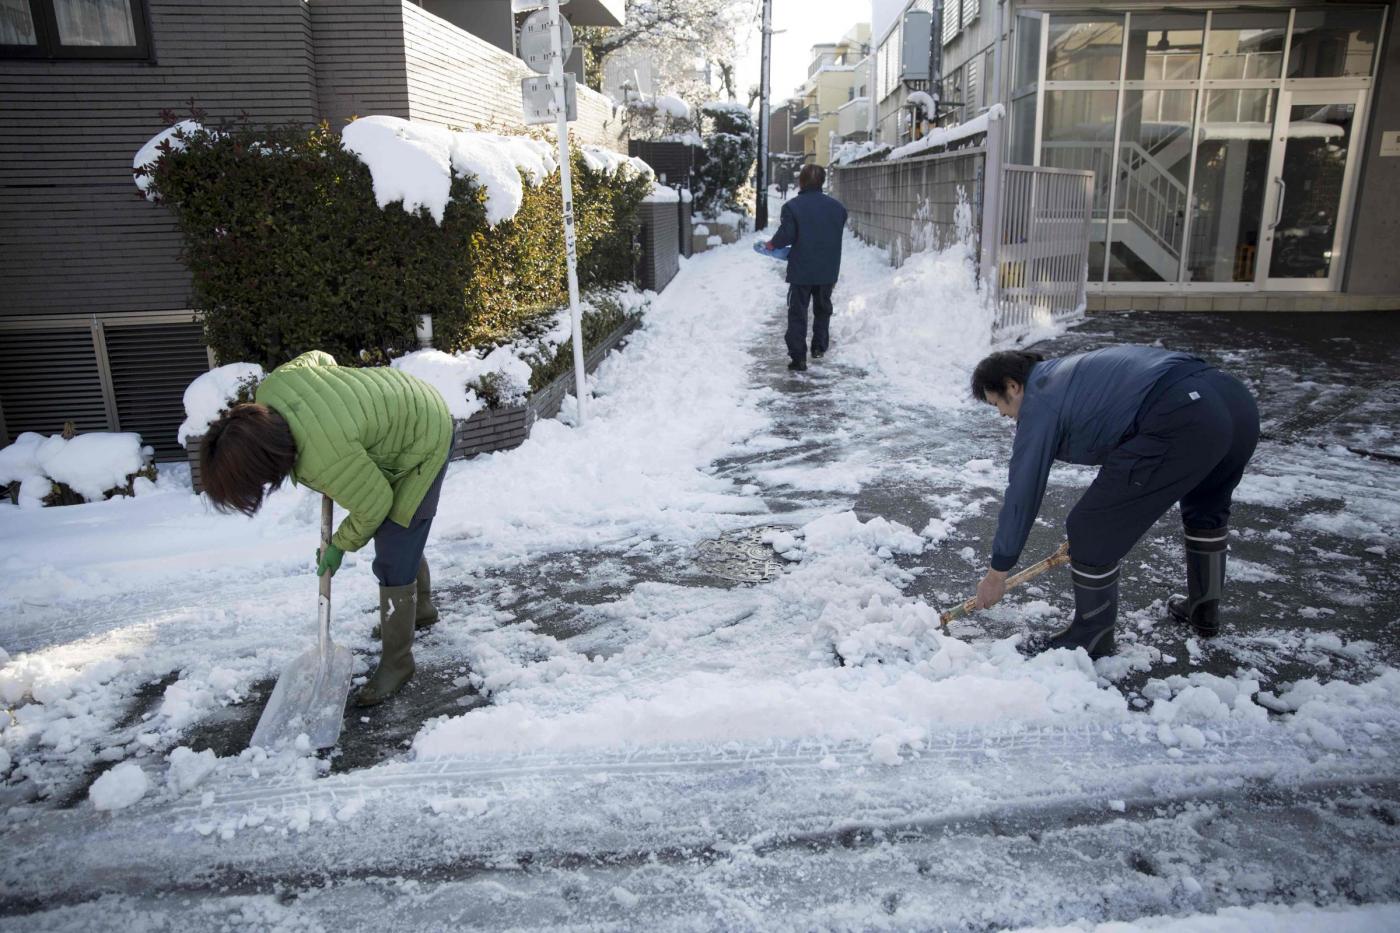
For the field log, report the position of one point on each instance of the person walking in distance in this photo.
(811, 224)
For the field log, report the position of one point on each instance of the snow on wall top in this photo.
(951, 134)
(452, 373)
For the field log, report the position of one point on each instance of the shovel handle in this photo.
(323, 608)
(1059, 558)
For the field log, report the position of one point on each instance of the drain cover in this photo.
(741, 556)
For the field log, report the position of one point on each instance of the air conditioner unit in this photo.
(914, 49)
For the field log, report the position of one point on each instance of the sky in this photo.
(805, 23)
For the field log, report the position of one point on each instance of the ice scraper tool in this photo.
(310, 695)
(1059, 558)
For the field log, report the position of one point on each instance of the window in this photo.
(73, 29)
(1246, 45)
(1338, 43)
(1165, 46)
(952, 21)
(1084, 48)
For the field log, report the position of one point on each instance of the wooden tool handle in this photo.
(1059, 558)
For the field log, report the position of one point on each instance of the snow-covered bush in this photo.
(730, 146)
(211, 394)
(58, 470)
(300, 239)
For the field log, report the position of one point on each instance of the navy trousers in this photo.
(398, 550)
(1191, 446)
(799, 297)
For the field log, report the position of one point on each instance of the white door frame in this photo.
(1287, 98)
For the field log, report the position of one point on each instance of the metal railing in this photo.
(1042, 253)
(800, 117)
(1029, 233)
(909, 205)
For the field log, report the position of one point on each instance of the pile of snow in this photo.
(662, 194)
(673, 107)
(946, 136)
(413, 163)
(452, 374)
(211, 394)
(89, 464)
(728, 106)
(847, 153)
(609, 162)
(921, 327)
(150, 152)
(690, 138)
(120, 787)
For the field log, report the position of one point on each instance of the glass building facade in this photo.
(1224, 143)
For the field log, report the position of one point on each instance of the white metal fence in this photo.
(1032, 230)
(1041, 257)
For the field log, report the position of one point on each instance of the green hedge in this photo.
(289, 251)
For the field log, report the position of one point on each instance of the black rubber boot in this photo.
(397, 607)
(1205, 580)
(426, 615)
(1095, 613)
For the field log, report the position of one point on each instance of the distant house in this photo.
(833, 102)
(96, 325)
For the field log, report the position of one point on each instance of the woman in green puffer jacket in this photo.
(374, 440)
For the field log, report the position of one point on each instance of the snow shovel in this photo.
(1058, 559)
(310, 695)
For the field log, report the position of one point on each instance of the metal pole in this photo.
(556, 77)
(760, 209)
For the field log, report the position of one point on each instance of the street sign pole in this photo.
(556, 74)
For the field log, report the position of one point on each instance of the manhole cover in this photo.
(741, 556)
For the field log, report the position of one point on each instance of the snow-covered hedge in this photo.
(299, 239)
(730, 146)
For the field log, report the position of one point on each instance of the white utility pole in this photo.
(760, 207)
(556, 76)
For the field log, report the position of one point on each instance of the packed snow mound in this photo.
(120, 787)
(211, 394)
(921, 327)
(19, 463)
(610, 162)
(413, 163)
(150, 152)
(89, 464)
(452, 374)
(662, 194)
(673, 107)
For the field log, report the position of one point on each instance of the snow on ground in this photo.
(680, 752)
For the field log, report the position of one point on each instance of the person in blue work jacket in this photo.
(1163, 428)
(811, 224)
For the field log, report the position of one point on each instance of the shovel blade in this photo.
(309, 697)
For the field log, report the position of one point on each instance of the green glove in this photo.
(329, 562)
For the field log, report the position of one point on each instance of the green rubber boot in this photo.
(427, 614)
(397, 608)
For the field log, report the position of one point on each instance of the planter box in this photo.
(660, 260)
(490, 429)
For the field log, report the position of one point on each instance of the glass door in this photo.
(1312, 164)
